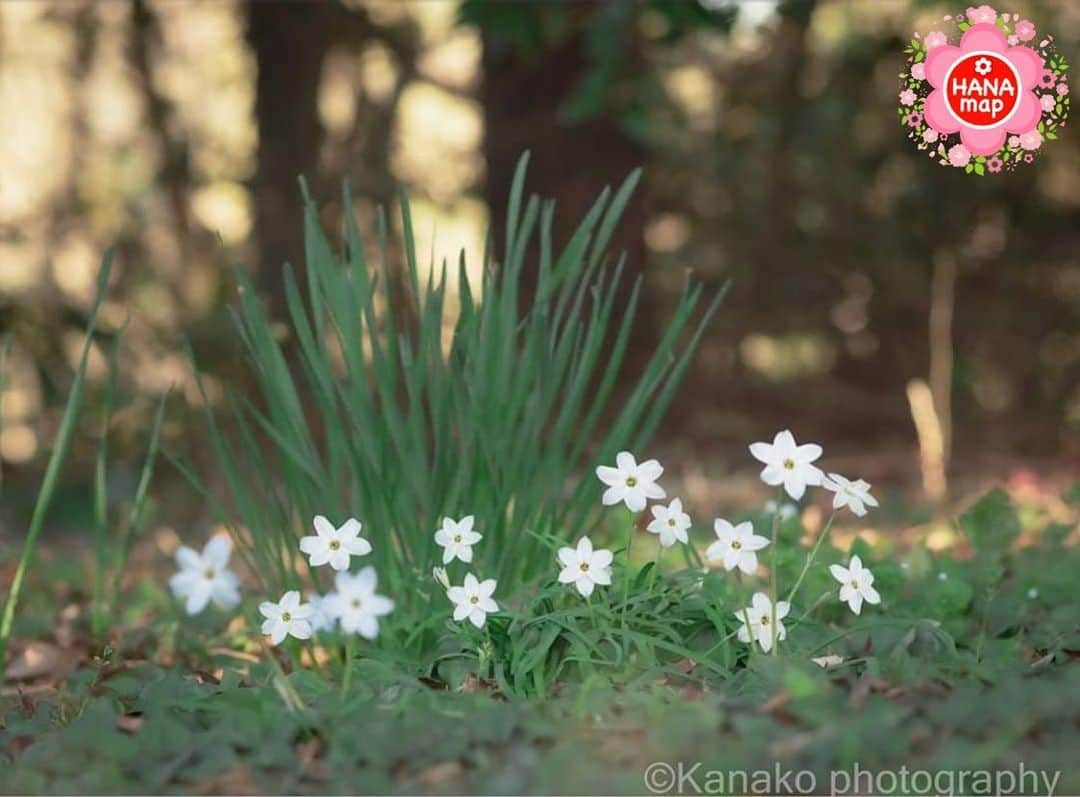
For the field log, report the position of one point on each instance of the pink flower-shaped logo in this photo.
(983, 89)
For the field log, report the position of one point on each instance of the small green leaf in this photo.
(991, 524)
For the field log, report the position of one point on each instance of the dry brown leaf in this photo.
(42, 658)
(775, 703)
(438, 773)
(129, 723)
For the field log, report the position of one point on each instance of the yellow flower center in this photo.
(671, 521)
(457, 538)
(334, 545)
(789, 464)
(765, 620)
(584, 567)
(286, 616)
(631, 481)
(736, 545)
(474, 599)
(209, 573)
(355, 603)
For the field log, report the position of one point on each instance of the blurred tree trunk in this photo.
(288, 41)
(523, 97)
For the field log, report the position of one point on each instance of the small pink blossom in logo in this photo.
(1062, 88)
(959, 156)
(1047, 102)
(994, 165)
(1014, 141)
(1014, 40)
(1030, 140)
(1028, 158)
(914, 119)
(930, 135)
(988, 38)
(918, 71)
(935, 38)
(907, 97)
(1047, 79)
(984, 14)
(1025, 30)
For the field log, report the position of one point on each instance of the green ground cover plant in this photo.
(451, 567)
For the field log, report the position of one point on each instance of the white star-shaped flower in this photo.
(473, 600)
(631, 483)
(760, 617)
(736, 546)
(355, 604)
(333, 545)
(205, 577)
(856, 584)
(457, 539)
(287, 617)
(585, 568)
(788, 464)
(670, 522)
(855, 495)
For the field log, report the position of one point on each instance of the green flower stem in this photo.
(350, 644)
(813, 554)
(626, 577)
(746, 610)
(289, 695)
(656, 564)
(775, 532)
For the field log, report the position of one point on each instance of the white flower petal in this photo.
(188, 558)
(614, 495)
(197, 599)
(351, 528)
(609, 475)
(762, 452)
(635, 499)
(278, 632)
(323, 527)
(357, 546)
(301, 629)
(650, 470)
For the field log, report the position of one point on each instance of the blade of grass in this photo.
(56, 462)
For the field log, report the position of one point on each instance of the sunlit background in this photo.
(921, 323)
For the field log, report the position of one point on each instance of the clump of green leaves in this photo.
(375, 414)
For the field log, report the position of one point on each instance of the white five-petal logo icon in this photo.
(983, 66)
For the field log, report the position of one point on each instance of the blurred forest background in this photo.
(915, 320)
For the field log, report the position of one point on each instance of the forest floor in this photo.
(967, 671)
